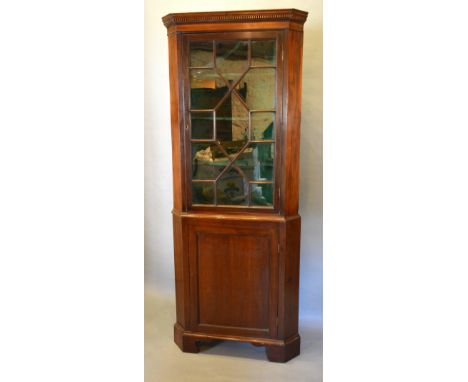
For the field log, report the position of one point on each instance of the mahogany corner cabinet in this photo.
(235, 82)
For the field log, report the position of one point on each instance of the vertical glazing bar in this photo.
(249, 62)
(250, 127)
(215, 192)
(215, 133)
(214, 54)
(215, 183)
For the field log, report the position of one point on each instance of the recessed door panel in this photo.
(233, 274)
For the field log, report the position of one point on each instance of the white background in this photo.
(395, 191)
(159, 264)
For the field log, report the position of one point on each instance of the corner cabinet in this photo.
(235, 80)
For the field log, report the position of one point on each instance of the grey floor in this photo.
(227, 361)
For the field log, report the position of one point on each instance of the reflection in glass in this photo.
(203, 193)
(207, 161)
(263, 126)
(232, 124)
(261, 194)
(206, 89)
(231, 58)
(202, 125)
(259, 88)
(201, 53)
(232, 188)
(225, 120)
(263, 53)
(257, 161)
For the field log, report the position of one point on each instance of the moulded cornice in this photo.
(292, 15)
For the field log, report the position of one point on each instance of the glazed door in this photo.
(233, 278)
(232, 117)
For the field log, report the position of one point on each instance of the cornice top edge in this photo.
(294, 15)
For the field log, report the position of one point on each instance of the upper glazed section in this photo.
(291, 15)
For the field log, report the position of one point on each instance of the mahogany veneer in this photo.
(236, 177)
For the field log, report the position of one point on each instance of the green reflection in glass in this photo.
(261, 194)
(202, 125)
(255, 92)
(201, 53)
(232, 188)
(258, 88)
(206, 89)
(207, 161)
(231, 58)
(263, 126)
(257, 161)
(232, 124)
(263, 53)
(203, 193)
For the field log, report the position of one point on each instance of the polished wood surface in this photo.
(234, 277)
(237, 267)
(233, 271)
(269, 19)
(246, 16)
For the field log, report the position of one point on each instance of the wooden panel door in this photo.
(234, 279)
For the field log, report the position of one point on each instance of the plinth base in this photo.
(276, 350)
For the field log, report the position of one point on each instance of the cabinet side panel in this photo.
(291, 277)
(175, 49)
(181, 280)
(292, 119)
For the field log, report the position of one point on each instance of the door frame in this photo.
(186, 128)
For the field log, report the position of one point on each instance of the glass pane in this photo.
(231, 58)
(263, 126)
(201, 53)
(232, 188)
(202, 125)
(207, 161)
(263, 53)
(203, 193)
(258, 88)
(252, 103)
(206, 89)
(257, 161)
(232, 124)
(261, 194)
